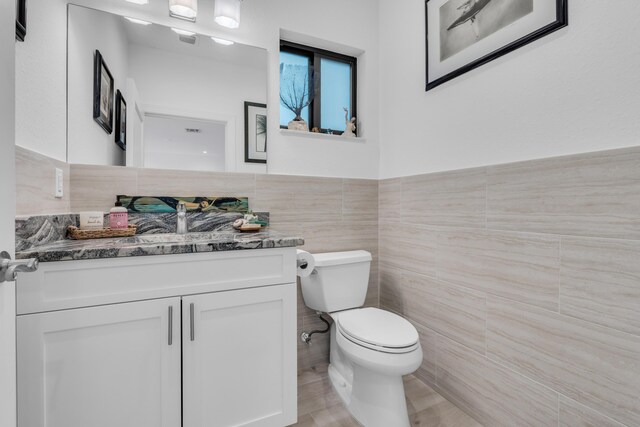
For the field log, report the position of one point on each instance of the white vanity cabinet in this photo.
(236, 370)
(187, 340)
(100, 366)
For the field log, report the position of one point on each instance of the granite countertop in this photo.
(157, 244)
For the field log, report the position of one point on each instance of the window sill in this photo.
(325, 136)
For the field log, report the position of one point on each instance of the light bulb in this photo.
(184, 9)
(227, 13)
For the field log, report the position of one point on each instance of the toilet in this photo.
(371, 349)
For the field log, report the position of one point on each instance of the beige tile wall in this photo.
(332, 214)
(524, 283)
(35, 184)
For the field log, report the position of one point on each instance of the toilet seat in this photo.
(377, 330)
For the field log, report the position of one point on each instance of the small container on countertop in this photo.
(118, 217)
(91, 220)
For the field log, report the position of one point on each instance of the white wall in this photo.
(353, 23)
(135, 130)
(88, 143)
(41, 81)
(7, 213)
(577, 90)
(199, 87)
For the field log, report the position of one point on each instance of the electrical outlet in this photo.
(59, 183)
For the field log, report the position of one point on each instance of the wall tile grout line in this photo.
(494, 361)
(611, 420)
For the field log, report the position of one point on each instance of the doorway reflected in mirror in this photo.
(179, 143)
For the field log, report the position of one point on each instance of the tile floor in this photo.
(320, 406)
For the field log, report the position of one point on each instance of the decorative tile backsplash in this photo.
(164, 204)
(43, 229)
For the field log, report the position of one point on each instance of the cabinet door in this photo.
(239, 358)
(114, 365)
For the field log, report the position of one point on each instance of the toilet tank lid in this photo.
(339, 258)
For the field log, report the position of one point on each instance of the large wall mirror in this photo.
(173, 99)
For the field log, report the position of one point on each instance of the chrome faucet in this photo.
(181, 227)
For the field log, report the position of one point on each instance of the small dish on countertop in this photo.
(243, 225)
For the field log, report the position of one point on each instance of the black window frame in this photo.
(315, 55)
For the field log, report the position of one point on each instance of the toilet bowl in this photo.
(366, 370)
(371, 349)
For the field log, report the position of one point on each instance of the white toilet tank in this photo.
(339, 282)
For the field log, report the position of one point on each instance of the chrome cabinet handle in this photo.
(192, 322)
(170, 325)
(9, 269)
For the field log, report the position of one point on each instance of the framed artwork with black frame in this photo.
(464, 34)
(21, 20)
(102, 93)
(121, 121)
(255, 132)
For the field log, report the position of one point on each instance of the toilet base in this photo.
(374, 399)
(340, 385)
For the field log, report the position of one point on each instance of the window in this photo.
(319, 84)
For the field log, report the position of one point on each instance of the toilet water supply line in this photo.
(303, 264)
(306, 336)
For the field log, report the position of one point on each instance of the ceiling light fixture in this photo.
(183, 32)
(183, 9)
(222, 41)
(137, 21)
(138, 1)
(227, 13)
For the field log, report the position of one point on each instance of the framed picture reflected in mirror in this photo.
(255, 132)
(102, 93)
(121, 121)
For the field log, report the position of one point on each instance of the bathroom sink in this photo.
(181, 238)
